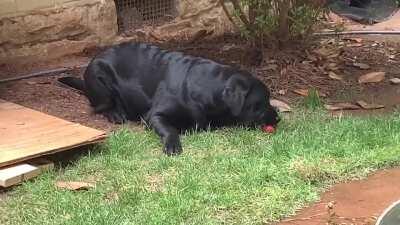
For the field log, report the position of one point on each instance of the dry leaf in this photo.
(31, 82)
(395, 80)
(365, 105)
(362, 66)
(74, 185)
(304, 92)
(373, 77)
(334, 76)
(280, 105)
(342, 106)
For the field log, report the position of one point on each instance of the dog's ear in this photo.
(234, 94)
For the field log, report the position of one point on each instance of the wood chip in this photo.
(373, 77)
(362, 66)
(282, 92)
(31, 82)
(342, 106)
(333, 66)
(354, 45)
(366, 105)
(280, 105)
(395, 80)
(334, 76)
(74, 185)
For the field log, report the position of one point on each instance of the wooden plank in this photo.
(26, 134)
(16, 174)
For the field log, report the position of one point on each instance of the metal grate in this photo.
(133, 14)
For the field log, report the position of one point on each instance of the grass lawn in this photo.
(231, 176)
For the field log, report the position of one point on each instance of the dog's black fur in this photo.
(172, 92)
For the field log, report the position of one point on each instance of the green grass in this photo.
(231, 176)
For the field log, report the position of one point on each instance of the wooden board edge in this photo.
(95, 140)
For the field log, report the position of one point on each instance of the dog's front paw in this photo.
(115, 117)
(172, 146)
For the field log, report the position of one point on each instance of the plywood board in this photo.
(26, 134)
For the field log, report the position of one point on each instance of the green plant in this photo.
(279, 20)
(312, 100)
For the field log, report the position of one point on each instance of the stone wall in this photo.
(53, 28)
(193, 16)
(37, 29)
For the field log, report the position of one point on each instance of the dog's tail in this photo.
(74, 83)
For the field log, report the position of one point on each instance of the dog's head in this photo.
(248, 100)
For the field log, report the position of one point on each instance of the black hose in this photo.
(364, 32)
(43, 73)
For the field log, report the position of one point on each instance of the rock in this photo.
(373, 77)
(45, 34)
(71, 26)
(395, 80)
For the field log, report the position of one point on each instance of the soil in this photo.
(357, 202)
(283, 70)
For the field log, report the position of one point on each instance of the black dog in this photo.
(172, 92)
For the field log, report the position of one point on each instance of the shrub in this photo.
(279, 20)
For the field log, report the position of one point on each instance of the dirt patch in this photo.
(357, 202)
(297, 67)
